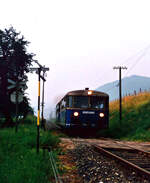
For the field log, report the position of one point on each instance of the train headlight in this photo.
(101, 114)
(89, 92)
(76, 114)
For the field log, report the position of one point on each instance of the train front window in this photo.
(96, 102)
(81, 101)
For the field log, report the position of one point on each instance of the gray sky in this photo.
(81, 40)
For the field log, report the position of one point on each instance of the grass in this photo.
(135, 124)
(19, 161)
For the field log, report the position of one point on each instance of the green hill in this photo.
(135, 124)
(129, 85)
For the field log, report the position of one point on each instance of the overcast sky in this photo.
(81, 40)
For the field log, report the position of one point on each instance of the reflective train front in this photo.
(83, 109)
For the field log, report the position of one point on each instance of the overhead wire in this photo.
(134, 55)
(111, 88)
(103, 74)
(134, 64)
(138, 60)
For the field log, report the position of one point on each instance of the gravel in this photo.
(96, 168)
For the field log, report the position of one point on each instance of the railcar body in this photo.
(83, 109)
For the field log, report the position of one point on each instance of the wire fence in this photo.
(134, 93)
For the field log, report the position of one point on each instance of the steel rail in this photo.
(119, 143)
(54, 167)
(140, 150)
(54, 171)
(133, 148)
(111, 155)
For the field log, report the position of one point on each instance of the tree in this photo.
(14, 65)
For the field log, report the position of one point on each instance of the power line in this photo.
(129, 59)
(138, 59)
(135, 63)
(110, 88)
(133, 56)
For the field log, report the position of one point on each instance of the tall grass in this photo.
(19, 161)
(135, 124)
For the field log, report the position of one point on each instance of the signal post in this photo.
(38, 71)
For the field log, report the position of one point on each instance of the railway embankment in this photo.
(135, 123)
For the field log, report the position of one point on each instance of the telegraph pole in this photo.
(120, 91)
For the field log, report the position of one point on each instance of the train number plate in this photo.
(88, 112)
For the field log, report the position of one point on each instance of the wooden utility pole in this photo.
(120, 91)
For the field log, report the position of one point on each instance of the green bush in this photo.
(48, 139)
(30, 119)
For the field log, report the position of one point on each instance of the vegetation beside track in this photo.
(135, 124)
(19, 161)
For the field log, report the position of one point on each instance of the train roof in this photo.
(85, 93)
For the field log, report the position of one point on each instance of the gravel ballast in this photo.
(96, 168)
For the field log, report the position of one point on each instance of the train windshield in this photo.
(96, 102)
(81, 102)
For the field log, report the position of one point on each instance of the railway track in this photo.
(135, 161)
(94, 167)
(130, 157)
(53, 163)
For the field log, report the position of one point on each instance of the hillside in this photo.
(135, 124)
(129, 85)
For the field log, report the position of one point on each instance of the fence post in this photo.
(134, 92)
(140, 90)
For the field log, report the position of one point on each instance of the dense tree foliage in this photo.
(14, 65)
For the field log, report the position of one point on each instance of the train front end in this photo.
(84, 109)
(86, 118)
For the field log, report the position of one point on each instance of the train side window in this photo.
(70, 101)
(63, 104)
(58, 107)
(67, 101)
(57, 111)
